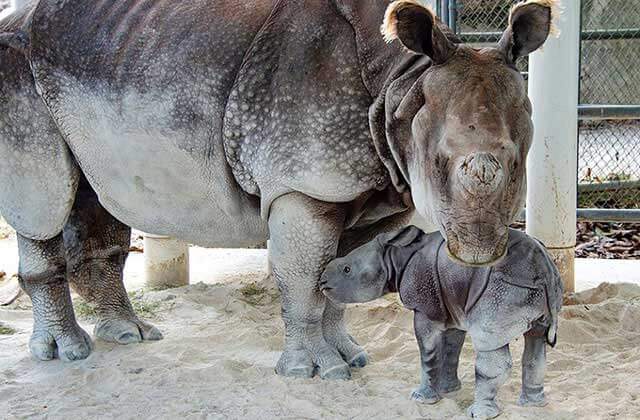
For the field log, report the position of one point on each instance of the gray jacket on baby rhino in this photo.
(520, 295)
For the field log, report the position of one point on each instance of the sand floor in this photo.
(220, 346)
(222, 341)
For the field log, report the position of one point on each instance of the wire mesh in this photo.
(488, 18)
(483, 15)
(609, 164)
(609, 151)
(609, 157)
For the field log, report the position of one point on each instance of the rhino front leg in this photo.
(534, 359)
(335, 333)
(42, 276)
(304, 236)
(430, 341)
(97, 246)
(492, 370)
(453, 341)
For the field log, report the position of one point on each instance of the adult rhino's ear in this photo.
(530, 24)
(414, 25)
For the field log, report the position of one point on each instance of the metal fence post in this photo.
(552, 161)
(444, 11)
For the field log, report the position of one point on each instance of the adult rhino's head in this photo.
(458, 129)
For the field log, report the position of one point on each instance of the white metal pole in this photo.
(13, 6)
(18, 4)
(552, 161)
(166, 262)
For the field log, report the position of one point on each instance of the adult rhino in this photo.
(225, 123)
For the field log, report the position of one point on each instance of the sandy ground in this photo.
(223, 339)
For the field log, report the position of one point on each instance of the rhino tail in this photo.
(18, 41)
(554, 292)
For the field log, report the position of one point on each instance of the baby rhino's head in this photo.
(369, 271)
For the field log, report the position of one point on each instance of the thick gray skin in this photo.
(522, 294)
(225, 123)
(87, 248)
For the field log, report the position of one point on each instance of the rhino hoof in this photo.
(360, 360)
(124, 331)
(74, 345)
(484, 410)
(340, 371)
(425, 396)
(296, 364)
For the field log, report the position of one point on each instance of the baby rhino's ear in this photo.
(405, 237)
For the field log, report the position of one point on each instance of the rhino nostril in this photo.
(481, 173)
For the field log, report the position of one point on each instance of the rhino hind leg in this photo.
(56, 334)
(304, 234)
(97, 246)
(492, 370)
(534, 360)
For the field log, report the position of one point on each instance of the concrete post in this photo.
(166, 262)
(18, 4)
(552, 162)
(269, 264)
(13, 5)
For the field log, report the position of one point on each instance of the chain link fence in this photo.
(609, 170)
(609, 149)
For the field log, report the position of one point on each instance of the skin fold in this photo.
(226, 123)
(520, 295)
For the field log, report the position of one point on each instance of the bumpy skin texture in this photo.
(41, 198)
(42, 276)
(96, 247)
(195, 119)
(38, 174)
(520, 295)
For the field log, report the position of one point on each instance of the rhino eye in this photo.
(346, 269)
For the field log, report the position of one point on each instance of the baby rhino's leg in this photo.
(533, 367)
(453, 341)
(492, 370)
(430, 341)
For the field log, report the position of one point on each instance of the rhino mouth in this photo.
(478, 251)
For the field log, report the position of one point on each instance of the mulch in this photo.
(608, 240)
(605, 240)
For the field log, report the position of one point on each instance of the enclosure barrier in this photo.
(552, 162)
(166, 262)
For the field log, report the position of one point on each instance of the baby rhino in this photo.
(520, 295)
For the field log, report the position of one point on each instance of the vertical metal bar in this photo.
(453, 15)
(552, 161)
(444, 11)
